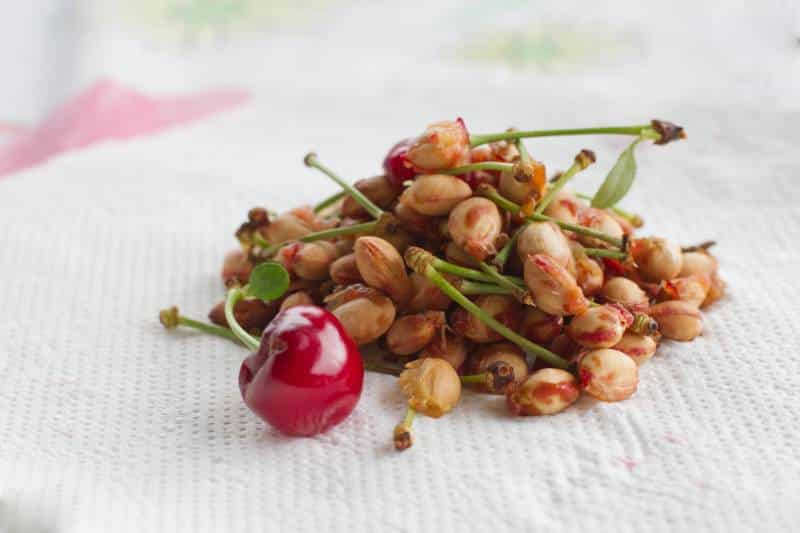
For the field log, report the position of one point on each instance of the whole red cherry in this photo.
(396, 166)
(306, 376)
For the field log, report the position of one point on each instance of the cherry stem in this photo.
(381, 369)
(490, 321)
(582, 160)
(486, 165)
(702, 247)
(355, 229)
(502, 256)
(479, 139)
(504, 203)
(643, 324)
(409, 418)
(474, 379)
(329, 201)
(171, 318)
(635, 220)
(422, 261)
(235, 296)
(474, 288)
(518, 292)
(496, 378)
(469, 273)
(260, 241)
(403, 439)
(311, 161)
(602, 252)
(524, 155)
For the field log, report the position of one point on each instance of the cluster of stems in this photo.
(633, 219)
(507, 205)
(312, 161)
(423, 262)
(582, 161)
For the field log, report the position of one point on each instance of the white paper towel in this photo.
(109, 423)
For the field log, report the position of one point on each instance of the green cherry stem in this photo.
(420, 260)
(474, 288)
(504, 203)
(403, 438)
(311, 161)
(381, 369)
(702, 247)
(501, 258)
(355, 229)
(329, 201)
(602, 252)
(479, 139)
(235, 296)
(635, 220)
(487, 319)
(496, 378)
(582, 160)
(469, 273)
(486, 165)
(171, 318)
(260, 241)
(409, 418)
(474, 379)
(524, 155)
(520, 293)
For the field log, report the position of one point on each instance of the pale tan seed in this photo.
(432, 386)
(657, 259)
(545, 392)
(544, 238)
(474, 225)
(382, 267)
(435, 194)
(411, 333)
(677, 320)
(553, 289)
(608, 375)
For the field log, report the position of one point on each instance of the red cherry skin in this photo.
(306, 376)
(396, 166)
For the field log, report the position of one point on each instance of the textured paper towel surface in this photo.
(108, 423)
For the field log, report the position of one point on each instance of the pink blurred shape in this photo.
(108, 110)
(628, 463)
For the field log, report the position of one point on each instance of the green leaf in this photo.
(619, 179)
(268, 281)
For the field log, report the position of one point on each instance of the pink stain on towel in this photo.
(628, 463)
(11, 129)
(105, 111)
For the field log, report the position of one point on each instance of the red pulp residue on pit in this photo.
(613, 267)
(547, 392)
(586, 377)
(626, 316)
(598, 335)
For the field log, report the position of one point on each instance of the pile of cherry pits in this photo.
(467, 267)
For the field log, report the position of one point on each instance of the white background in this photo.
(107, 423)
